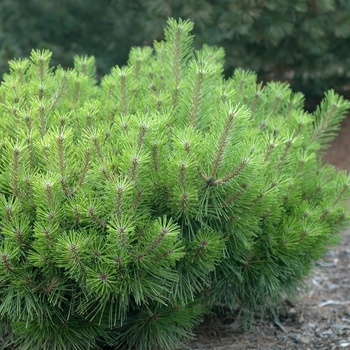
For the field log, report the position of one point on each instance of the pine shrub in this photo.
(131, 208)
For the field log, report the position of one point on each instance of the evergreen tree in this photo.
(131, 208)
(303, 42)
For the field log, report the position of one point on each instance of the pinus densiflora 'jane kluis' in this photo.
(129, 209)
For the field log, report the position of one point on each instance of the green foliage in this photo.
(304, 42)
(131, 208)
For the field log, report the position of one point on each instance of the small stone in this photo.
(305, 340)
(326, 334)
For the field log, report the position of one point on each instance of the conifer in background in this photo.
(131, 208)
(304, 42)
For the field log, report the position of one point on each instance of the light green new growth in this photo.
(129, 209)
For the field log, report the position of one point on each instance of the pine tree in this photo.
(131, 208)
(304, 42)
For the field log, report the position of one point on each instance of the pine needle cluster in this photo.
(131, 208)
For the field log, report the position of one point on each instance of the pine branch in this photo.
(224, 139)
(327, 117)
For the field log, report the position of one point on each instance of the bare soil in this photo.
(320, 319)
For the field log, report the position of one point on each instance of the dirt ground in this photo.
(320, 319)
